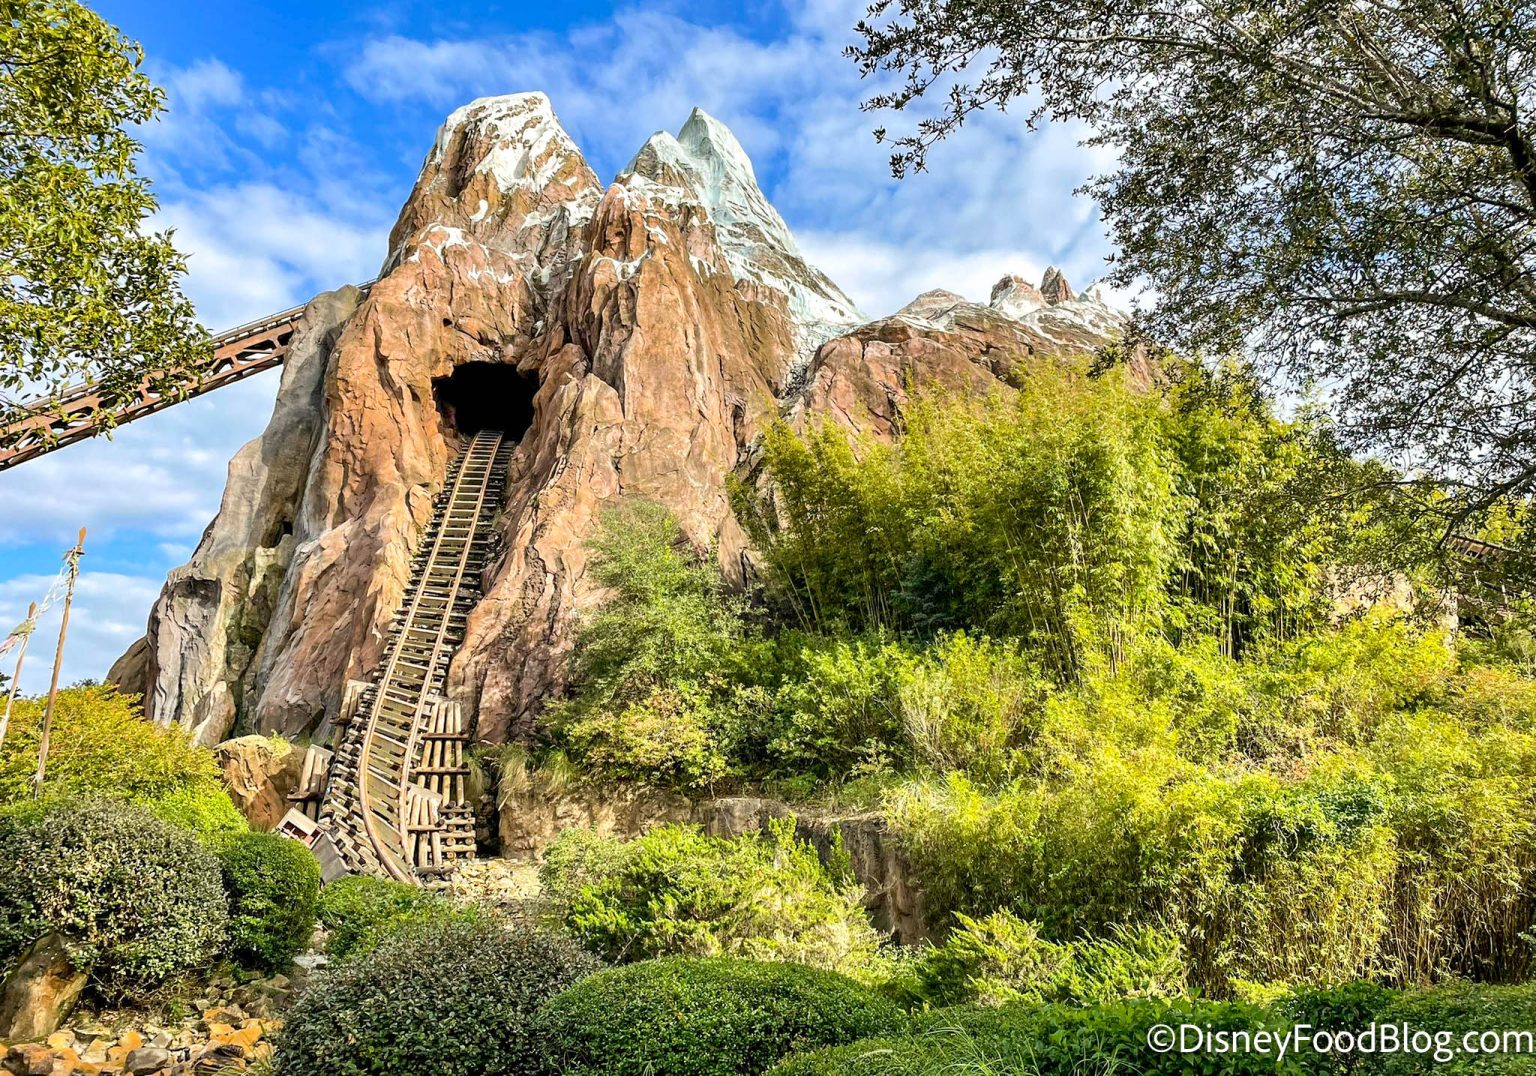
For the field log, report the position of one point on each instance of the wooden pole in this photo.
(10, 696)
(73, 556)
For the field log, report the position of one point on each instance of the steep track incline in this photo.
(394, 803)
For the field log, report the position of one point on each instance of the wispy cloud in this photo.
(162, 476)
(107, 615)
(253, 248)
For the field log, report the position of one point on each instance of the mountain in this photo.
(635, 339)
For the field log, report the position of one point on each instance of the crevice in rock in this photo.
(280, 530)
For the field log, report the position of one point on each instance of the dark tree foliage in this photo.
(87, 292)
(1348, 189)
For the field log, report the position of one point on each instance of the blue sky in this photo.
(295, 131)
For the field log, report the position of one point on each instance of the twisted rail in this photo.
(395, 799)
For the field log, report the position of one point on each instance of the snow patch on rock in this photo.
(706, 163)
(1054, 311)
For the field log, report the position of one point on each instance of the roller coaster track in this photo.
(82, 412)
(394, 803)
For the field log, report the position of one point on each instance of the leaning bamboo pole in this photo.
(10, 696)
(72, 558)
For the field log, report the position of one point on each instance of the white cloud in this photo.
(612, 84)
(108, 614)
(254, 248)
(193, 131)
(882, 277)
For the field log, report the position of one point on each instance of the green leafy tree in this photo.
(1348, 190)
(1049, 514)
(661, 689)
(86, 292)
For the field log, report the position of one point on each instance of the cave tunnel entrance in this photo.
(486, 396)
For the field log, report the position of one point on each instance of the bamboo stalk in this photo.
(10, 696)
(73, 556)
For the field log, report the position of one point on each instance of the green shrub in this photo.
(971, 705)
(1002, 960)
(1460, 1008)
(135, 899)
(274, 887)
(1260, 879)
(1055, 1041)
(100, 746)
(676, 736)
(1052, 1041)
(358, 910)
(997, 960)
(449, 997)
(207, 812)
(676, 891)
(659, 675)
(1452, 1010)
(1463, 811)
(1050, 514)
(718, 1017)
(842, 714)
(896, 1056)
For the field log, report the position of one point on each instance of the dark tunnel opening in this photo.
(486, 396)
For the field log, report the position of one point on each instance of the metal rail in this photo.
(81, 412)
(395, 800)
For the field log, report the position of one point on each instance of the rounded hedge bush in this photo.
(451, 997)
(274, 887)
(135, 899)
(1056, 1040)
(682, 1016)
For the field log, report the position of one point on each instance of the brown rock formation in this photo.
(1054, 287)
(259, 772)
(199, 659)
(40, 991)
(635, 340)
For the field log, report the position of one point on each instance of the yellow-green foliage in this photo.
(1050, 514)
(1370, 809)
(676, 891)
(1002, 960)
(101, 745)
(1093, 642)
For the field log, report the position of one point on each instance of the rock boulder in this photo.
(40, 992)
(259, 772)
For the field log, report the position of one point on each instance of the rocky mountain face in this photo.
(636, 339)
